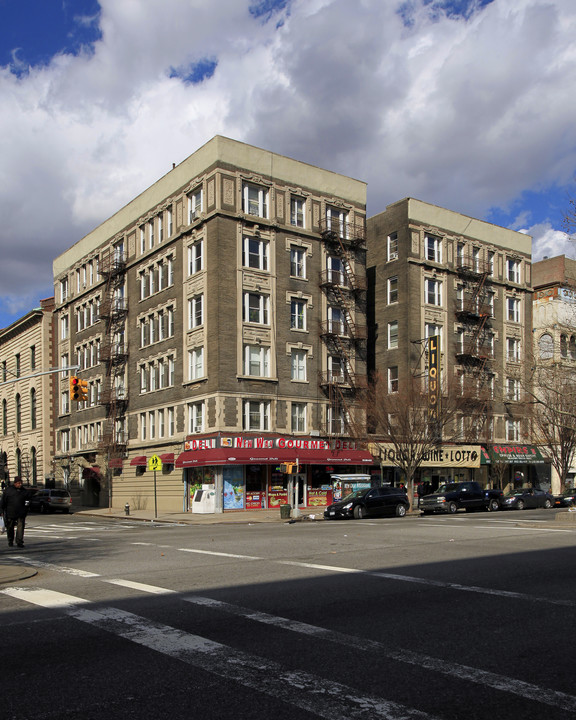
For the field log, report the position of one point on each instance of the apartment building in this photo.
(219, 320)
(435, 272)
(26, 392)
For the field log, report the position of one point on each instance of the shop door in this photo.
(300, 483)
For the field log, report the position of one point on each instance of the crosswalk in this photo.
(73, 531)
(301, 689)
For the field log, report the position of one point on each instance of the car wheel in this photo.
(359, 512)
(400, 510)
(426, 512)
(42, 508)
(493, 505)
(547, 504)
(452, 508)
(520, 505)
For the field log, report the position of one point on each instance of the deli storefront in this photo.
(245, 469)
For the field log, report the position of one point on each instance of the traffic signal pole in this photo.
(38, 374)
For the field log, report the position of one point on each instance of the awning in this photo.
(139, 461)
(167, 458)
(271, 456)
(512, 454)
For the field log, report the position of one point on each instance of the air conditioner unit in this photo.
(393, 256)
(197, 428)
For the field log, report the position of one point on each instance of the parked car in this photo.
(47, 501)
(526, 498)
(450, 497)
(567, 499)
(371, 502)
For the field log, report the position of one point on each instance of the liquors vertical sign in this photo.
(434, 379)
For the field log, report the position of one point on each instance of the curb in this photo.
(13, 573)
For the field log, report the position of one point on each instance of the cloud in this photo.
(548, 242)
(464, 104)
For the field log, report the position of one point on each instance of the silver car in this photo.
(47, 501)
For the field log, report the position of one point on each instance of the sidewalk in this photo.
(243, 517)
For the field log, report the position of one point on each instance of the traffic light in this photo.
(288, 468)
(78, 389)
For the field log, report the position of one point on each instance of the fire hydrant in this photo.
(127, 509)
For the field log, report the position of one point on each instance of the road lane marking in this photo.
(312, 693)
(57, 568)
(500, 527)
(221, 554)
(462, 672)
(153, 589)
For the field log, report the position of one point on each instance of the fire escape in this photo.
(475, 352)
(114, 355)
(344, 337)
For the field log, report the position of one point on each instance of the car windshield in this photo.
(447, 487)
(59, 493)
(354, 495)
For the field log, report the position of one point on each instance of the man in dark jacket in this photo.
(14, 505)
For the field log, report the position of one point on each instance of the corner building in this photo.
(435, 272)
(219, 320)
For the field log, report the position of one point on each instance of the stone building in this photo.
(219, 322)
(26, 392)
(434, 272)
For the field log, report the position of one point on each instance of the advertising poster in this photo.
(233, 488)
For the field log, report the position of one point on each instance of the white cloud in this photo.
(548, 242)
(465, 113)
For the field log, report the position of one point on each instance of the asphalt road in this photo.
(466, 616)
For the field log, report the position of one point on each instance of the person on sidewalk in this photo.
(14, 506)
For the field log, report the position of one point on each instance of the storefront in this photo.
(245, 469)
(510, 466)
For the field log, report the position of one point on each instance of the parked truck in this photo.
(450, 497)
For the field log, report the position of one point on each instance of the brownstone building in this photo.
(219, 320)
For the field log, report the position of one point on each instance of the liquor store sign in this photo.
(441, 456)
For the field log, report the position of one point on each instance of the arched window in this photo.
(18, 415)
(546, 347)
(33, 408)
(572, 347)
(18, 462)
(33, 462)
(563, 346)
(4, 417)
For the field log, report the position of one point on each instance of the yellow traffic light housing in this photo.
(78, 389)
(288, 468)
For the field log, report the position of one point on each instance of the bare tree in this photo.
(402, 426)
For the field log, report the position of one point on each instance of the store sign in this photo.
(434, 378)
(263, 443)
(512, 454)
(441, 456)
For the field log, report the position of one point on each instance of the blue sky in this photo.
(462, 103)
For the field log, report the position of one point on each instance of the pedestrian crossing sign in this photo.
(154, 463)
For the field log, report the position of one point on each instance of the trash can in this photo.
(285, 512)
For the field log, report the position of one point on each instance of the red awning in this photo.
(167, 458)
(139, 461)
(271, 456)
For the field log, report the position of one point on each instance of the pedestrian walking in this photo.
(14, 506)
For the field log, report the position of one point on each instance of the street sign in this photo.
(154, 463)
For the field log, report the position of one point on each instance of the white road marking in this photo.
(153, 589)
(221, 554)
(57, 568)
(462, 672)
(503, 527)
(314, 694)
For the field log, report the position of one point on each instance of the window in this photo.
(393, 335)
(256, 308)
(298, 365)
(298, 314)
(195, 257)
(195, 417)
(297, 211)
(433, 248)
(337, 221)
(4, 417)
(18, 404)
(152, 424)
(336, 271)
(160, 228)
(195, 312)
(336, 321)
(196, 363)
(255, 200)
(64, 327)
(65, 441)
(512, 349)
(195, 202)
(546, 347)
(563, 346)
(491, 261)
(256, 415)
(255, 253)
(432, 292)
(63, 290)
(171, 425)
(142, 240)
(298, 417)
(392, 290)
(18, 365)
(297, 262)
(393, 379)
(143, 426)
(256, 361)
(512, 430)
(572, 347)
(513, 389)
(336, 367)
(513, 310)
(513, 270)
(392, 246)
(476, 259)
(460, 247)
(169, 222)
(33, 408)
(151, 233)
(431, 329)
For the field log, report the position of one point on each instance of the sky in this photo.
(467, 104)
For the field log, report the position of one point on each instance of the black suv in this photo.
(369, 503)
